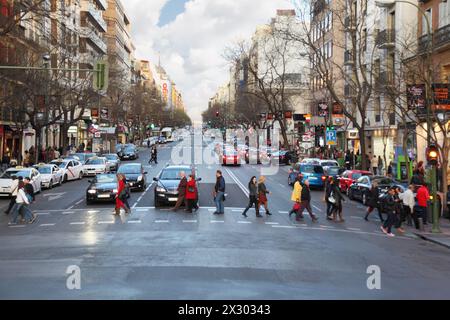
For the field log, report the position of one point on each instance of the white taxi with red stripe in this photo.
(71, 169)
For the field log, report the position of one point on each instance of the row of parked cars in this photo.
(355, 183)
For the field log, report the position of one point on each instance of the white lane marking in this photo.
(283, 212)
(70, 208)
(235, 210)
(161, 221)
(244, 222)
(79, 202)
(211, 210)
(282, 185)
(217, 221)
(329, 227)
(272, 223)
(106, 222)
(18, 226)
(47, 225)
(93, 211)
(190, 221)
(240, 185)
(42, 214)
(144, 208)
(284, 227)
(354, 229)
(359, 218)
(134, 221)
(141, 210)
(68, 212)
(77, 223)
(317, 208)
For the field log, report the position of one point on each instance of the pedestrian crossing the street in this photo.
(149, 217)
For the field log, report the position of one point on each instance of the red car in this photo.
(349, 177)
(230, 157)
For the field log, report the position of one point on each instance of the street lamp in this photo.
(429, 79)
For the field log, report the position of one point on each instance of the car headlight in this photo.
(139, 178)
(160, 189)
(92, 191)
(115, 191)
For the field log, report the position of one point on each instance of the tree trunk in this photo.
(362, 143)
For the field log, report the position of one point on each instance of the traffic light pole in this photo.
(436, 228)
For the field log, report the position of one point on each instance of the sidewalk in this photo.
(442, 239)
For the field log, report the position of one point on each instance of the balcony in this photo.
(442, 36)
(103, 4)
(97, 16)
(349, 91)
(95, 39)
(386, 39)
(349, 24)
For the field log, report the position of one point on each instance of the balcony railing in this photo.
(442, 36)
(386, 38)
(103, 4)
(97, 16)
(95, 39)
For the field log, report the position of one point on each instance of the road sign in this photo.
(331, 137)
(101, 76)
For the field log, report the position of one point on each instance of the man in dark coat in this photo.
(181, 192)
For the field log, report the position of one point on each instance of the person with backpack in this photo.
(253, 197)
(373, 202)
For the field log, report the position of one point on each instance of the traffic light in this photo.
(217, 114)
(432, 155)
(330, 128)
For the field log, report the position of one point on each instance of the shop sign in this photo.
(323, 110)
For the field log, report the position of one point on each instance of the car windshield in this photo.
(95, 162)
(111, 157)
(129, 149)
(383, 181)
(312, 169)
(59, 164)
(44, 170)
(334, 170)
(130, 169)
(328, 163)
(81, 156)
(106, 178)
(356, 176)
(171, 174)
(8, 174)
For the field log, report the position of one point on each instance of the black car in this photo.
(102, 188)
(361, 188)
(167, 184)
(135, 175)
(128, 152)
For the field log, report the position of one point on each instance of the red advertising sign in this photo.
(288, 115)
(270, 116)
(94, 113)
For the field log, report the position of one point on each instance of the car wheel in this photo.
(157, 203)
(364, 199)
(50, 184)
(88, 202)
(65, 178)
(350, 194)
(80, 176)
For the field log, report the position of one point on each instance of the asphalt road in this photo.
(157, 254)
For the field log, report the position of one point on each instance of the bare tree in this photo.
(14, 13)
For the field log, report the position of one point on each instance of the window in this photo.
(425, 19)
(444, 14)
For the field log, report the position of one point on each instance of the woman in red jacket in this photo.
(191, 194)
(121, 197)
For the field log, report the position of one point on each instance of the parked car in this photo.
(312, 172)
(96, 166)
(167, 183)
(314, 161)
(283, 157)
(51, 175)
(349, 177)
(71, 169)
(6, 179)
(102, 188)
(113, 161)
(128, 152)
(135, 175)
(361, 188)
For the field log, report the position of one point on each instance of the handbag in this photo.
(123, 194)
(332, 199)
(297, 206)
(191, 189)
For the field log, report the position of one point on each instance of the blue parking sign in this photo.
(331, 137)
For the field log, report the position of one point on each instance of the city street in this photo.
(157, 254)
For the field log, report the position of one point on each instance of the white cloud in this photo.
(191, 46)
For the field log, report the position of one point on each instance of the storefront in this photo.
(9, 141)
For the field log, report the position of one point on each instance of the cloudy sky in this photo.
(190, 36)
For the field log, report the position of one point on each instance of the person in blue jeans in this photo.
(219, 193)
(22, 203)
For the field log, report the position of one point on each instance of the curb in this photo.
(426, 238)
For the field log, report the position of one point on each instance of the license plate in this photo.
(312, 178)
(5, 190)
(173, 199)
(104, 196)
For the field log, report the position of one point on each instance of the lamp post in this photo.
(428, 93)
